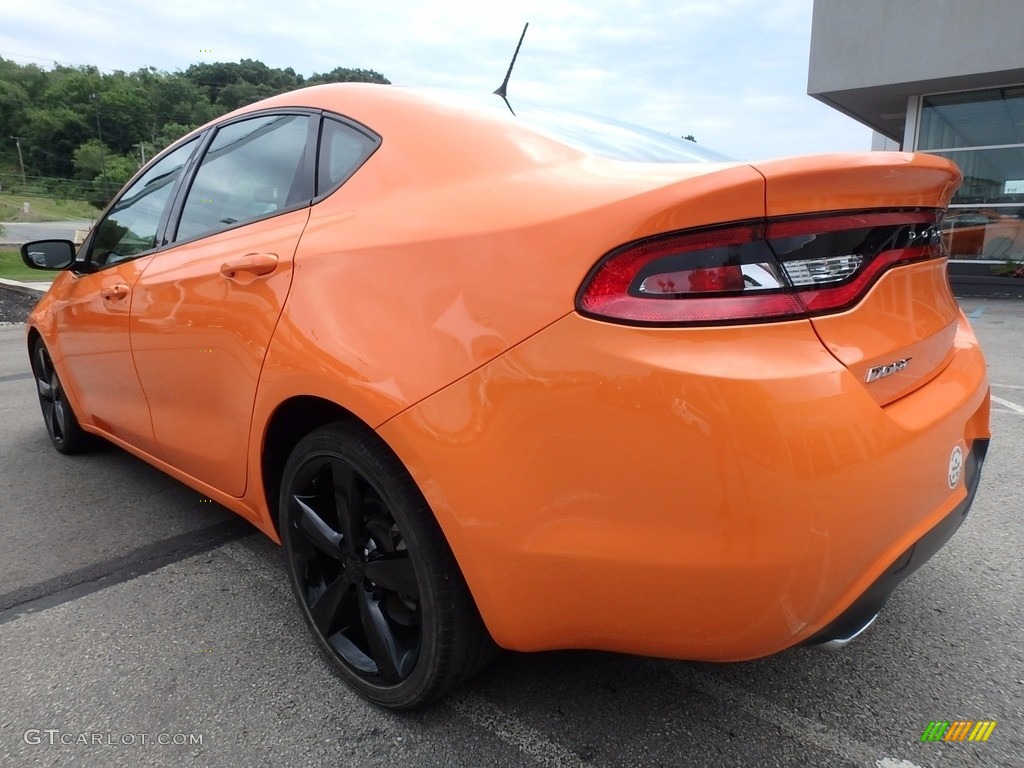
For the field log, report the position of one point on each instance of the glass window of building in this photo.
(983, 133)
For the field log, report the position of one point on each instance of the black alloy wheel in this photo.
(374, 577)
(61, 424)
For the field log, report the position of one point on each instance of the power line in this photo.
(6, 54)
(75, 182)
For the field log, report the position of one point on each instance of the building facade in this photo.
(938, 76)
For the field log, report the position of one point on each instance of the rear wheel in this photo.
(373, 575)
(61, 424)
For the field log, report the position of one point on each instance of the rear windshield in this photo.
(592, 134)
(613, 139)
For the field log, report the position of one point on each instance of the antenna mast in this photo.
(503, 88)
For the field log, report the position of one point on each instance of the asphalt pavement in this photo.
(143, 625)
(15, 233)
(18, 232)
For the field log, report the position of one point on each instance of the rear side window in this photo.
(343, 148)
(253, 168)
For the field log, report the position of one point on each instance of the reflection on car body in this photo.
(979, 233)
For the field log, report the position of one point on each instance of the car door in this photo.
(92, 317)
(204, 311)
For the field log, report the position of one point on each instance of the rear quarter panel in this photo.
(408, 278)
(715, 494)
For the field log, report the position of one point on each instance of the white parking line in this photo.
(803, 730)
(806, 731)
(1007, 404)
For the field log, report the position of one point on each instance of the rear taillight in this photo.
(708, 276)
(756, 271)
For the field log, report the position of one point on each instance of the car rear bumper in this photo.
(717, 493)
(859, 616)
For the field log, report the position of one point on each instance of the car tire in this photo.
(66, 434)
(372, 572)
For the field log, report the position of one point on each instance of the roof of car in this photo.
(394, 110)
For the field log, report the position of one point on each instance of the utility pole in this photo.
(142, 150)
(103, 154)
(17, 141)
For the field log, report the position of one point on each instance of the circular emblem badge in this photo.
(956, 466)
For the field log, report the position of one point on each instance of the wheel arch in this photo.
(296, 417)
(292, 420)
(441, 641)
(31, 338)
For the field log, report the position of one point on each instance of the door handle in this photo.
(245, 268)
(115, 292)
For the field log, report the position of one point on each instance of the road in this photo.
(133, 612)
(18, 232)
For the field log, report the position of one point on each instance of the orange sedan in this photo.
(534, 379)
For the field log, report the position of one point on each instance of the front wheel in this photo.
(373, 575)
(65, 433)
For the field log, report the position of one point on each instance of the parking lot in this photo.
(143, 625)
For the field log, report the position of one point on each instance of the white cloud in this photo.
(732, 72)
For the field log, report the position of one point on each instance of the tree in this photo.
(344, 75)
(119, 169)
(14, 102)
(79, 127)
(169, 134)
(52, 136)
(90, 160)
(126, 114)
(238, 94)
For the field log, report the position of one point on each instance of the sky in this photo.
(733, 73)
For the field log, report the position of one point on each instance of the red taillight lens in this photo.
(866, 244)
(756, 271)
(715, 279)
(709, 276)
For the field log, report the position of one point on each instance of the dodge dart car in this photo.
(504, 376)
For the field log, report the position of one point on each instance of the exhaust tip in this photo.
(838, 643)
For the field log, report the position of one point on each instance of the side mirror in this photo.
(48, 254)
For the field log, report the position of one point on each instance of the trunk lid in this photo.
(836, 216)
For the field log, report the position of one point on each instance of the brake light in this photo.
(706, 276)
(756, 271)
(713, 279)
(860, 249)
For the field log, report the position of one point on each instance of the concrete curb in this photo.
(28, 290)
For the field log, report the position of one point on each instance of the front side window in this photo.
(131, 225)
(253, 168)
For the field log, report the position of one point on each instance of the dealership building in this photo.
(938, 76)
